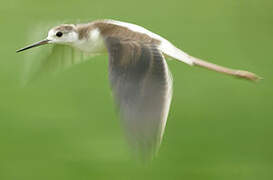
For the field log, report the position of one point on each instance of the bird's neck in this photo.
(91, 42)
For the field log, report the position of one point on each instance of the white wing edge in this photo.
(166, 47)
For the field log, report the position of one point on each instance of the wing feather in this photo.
(56, 59)
(142, 86)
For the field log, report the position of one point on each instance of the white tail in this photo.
(170, 50)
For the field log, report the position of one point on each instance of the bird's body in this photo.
(138, 72)
(91, 37)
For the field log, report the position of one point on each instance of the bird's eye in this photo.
(59, 34)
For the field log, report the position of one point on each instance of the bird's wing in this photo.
(56, 59)
(142, 86)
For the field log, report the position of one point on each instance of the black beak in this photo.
(34, 45)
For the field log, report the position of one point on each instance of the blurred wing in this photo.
(142, 86)
(56, 59)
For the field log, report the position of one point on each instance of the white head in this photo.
(63, 34)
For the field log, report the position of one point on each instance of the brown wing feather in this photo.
(139, 79)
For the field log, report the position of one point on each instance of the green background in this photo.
(67, 128)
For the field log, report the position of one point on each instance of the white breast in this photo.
(93, 45)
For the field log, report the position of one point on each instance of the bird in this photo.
(140, 79)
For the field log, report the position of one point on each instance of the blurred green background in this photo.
(67, 128)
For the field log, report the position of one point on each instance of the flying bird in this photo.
(138, 72)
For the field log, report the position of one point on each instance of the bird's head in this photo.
(63, 34)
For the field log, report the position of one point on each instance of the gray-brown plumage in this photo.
(139, 79)
(138, 72)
